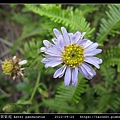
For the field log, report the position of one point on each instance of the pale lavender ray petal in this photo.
(60, 44)
(51, 58)
(82, 35)
(70, 36)
(94, 61)
(76, 37)
(54, 40)
(83, 71)
(57, 32)
(92, 47)
(53, 51)
(81, 42)
(43, 49)
(61, 75)
(74, 77)
(92, 52)
(89, 69)
(53, 54)
(59, 71)
(53, 63)
(65, 35)
(47, 43)
(85, 43)
(67, 77)
(44, 60)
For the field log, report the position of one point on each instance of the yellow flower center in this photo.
(7, 67)
(73, 55)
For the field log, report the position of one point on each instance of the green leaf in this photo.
(23, 102)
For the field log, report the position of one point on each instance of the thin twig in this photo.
(6, 42)
(3, 92)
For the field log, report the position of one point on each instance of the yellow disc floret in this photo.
(7, 67)
(73, 55)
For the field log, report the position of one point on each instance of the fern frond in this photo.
(107, 102)
(70, 94)
(111, 25)
(57, 106)
(68, 17)
(112, 57)
(100, 89)
(31, 48)
(66, 98)
(108, 74)
(88, 8)
(31, 52)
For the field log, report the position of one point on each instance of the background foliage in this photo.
(39, 92)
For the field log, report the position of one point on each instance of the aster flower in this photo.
(13, 66)
(74, 53)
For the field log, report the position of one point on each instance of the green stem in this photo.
(36, 106)
(36, 86)
(34, 90)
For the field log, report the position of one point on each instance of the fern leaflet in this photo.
(111, 25)
(112, 57)
(71, 94)
(68, 17)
